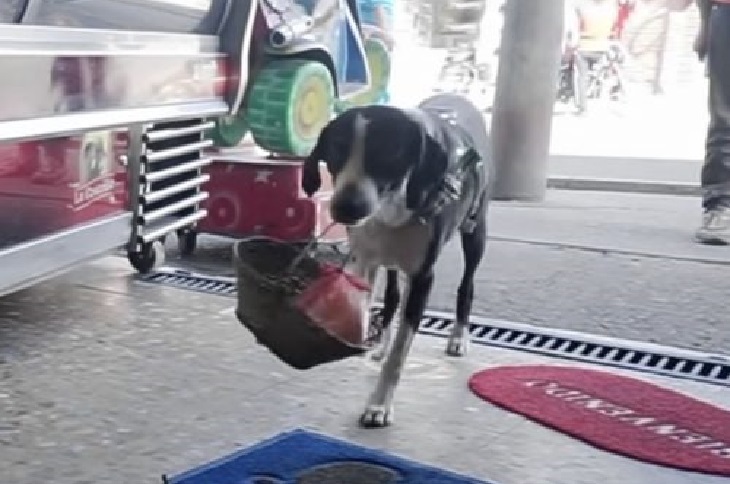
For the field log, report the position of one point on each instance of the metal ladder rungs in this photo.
(175, 170)
(169, 133)
(158, 195)
(150, 217)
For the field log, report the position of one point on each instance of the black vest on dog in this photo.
(458, 128)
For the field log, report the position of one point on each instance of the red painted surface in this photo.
(253, 196)
(55, 184)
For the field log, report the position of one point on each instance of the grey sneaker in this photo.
(715, 229)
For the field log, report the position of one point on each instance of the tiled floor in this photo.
(103, 379)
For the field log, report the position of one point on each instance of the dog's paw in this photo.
(458, 345)
(376, 416)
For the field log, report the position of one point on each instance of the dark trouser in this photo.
(716, 170)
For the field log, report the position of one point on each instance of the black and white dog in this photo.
(405, 181)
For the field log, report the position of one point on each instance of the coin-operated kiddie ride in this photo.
(308, 59)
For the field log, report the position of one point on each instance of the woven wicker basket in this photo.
(266, 288)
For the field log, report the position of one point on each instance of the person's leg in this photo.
(715, 227)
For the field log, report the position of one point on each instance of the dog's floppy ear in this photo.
(311, 179)
(429, 167)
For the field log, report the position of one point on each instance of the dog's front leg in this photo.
(379, 410)
(391, 301)
(369, 272)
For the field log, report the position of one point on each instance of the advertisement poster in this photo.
(96, 170)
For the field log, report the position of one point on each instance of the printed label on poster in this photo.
(96, 175)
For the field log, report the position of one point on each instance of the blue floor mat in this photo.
(302, 457)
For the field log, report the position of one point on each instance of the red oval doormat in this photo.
(623, 415)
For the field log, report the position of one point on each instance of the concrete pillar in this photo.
(527, 78)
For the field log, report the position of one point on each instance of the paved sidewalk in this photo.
(679, 172)
(621, 265)
(615, 264)
(644, 152)
(103, 379)
(636, 224)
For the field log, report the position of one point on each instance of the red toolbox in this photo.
(253, 195)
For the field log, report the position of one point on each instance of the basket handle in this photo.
(311, 244)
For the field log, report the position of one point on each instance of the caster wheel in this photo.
(187, 241)
(151, 256)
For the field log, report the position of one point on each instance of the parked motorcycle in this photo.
(462, 73)
(591, 75)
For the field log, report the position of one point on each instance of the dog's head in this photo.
(383, 164)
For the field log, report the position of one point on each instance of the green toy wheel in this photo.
(378, 58)
(229, 130)
(290, 101)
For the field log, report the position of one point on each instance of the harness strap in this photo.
(449, 189)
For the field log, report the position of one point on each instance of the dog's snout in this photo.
(351, 205)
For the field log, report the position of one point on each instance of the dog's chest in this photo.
(404, 247)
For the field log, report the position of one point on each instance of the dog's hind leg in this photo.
(473, 244)
(390, 307)
(379, 410)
